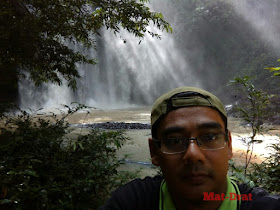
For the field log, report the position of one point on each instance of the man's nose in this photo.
(193, 154)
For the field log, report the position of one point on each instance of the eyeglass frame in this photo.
(191, 139)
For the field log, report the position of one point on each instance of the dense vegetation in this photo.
(213, 38)
(267, 174)
(35, 36)
(40, 168)
(255, 112)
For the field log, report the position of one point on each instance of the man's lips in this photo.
(196, 177)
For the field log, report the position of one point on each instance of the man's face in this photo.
(194, 171)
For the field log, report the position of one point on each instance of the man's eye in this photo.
(172, 141)
(208, 137)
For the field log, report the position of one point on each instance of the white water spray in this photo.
(127, 74)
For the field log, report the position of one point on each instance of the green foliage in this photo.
(35, 35)
(253, 110)
(42, 169)
(237, 173)
(275, 70)
(267, 174)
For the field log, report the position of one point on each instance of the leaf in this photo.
(251, 184)
(11, 172)
(36, 161)
(257, 141)
(31, 173)
(273, 69)
(5, 201)
(81, 146)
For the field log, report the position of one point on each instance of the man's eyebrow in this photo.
(204, 125)
(173, 129)
(210, 125)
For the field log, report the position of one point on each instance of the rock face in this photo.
(117, 125)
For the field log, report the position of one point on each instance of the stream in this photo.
(136, 123)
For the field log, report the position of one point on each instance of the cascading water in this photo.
(127, 74)
(131, 74)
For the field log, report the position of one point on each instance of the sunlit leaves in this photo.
(35, 35)
(274, 69)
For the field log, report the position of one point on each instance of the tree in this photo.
(253, 110)
(34, 33)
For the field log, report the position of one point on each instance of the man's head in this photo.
(194, 166)
(184, 97)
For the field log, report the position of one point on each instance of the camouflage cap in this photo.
(185, 97)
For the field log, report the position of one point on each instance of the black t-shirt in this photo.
(143, 194)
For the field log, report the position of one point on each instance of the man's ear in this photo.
(154, 152)
(229, 145)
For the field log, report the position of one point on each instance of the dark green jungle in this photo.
(232, 51)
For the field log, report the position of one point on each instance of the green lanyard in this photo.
(166, 203)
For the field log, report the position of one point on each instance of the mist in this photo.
(212, 41)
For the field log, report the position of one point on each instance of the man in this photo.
(192, 145)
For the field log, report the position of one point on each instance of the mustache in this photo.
(196, 169)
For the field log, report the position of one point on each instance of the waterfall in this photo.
(204, 51)
(127, 74)
(131, 73)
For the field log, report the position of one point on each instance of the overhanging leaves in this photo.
(35, 35)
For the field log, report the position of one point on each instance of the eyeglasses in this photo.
(180, 145)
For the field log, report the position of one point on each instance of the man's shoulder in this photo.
(140, 188)
(140, 193)
(261, 199)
